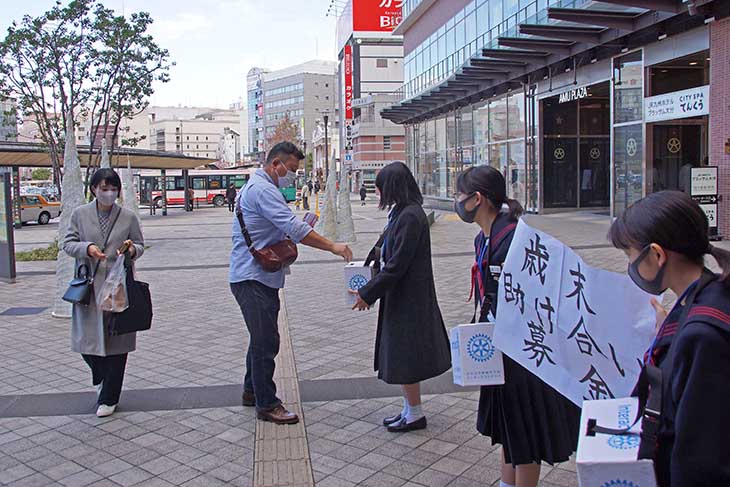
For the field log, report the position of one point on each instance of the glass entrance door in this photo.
(677, 149)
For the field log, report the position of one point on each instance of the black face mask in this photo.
(653, 286)
(466, 215)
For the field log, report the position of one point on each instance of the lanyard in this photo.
(480, 261)
(385, 238)
(650, 352)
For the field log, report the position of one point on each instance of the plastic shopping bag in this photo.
(113, 295)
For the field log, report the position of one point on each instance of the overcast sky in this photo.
(216, 42)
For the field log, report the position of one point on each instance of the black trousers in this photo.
(260, 307)
(306, 202)
(108, 371)
(231, 204)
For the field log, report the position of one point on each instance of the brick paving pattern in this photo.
(198, 339)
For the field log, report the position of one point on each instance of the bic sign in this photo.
(376, 15)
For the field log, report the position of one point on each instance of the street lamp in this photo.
(326, 116)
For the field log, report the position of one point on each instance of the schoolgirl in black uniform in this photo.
(665, 238)
(530, 419)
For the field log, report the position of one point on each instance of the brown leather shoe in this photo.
(248, 399)
(278, 415)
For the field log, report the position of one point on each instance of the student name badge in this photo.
(495, 270)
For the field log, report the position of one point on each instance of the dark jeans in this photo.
(305, 200)
(260, 307)
(231, 204)
(110, 371)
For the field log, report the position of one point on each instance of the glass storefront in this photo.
(490, 132)
(576, 142)
(628, 130)
(680, 143)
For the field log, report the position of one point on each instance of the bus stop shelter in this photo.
(14, 155)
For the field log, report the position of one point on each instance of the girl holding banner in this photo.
(665, 237)
(531, 420)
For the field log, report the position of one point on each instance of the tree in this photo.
(127, 61)
(41, 174)
(81, 59)
(44, 64)
(285, 131)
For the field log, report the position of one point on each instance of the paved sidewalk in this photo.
(180, 421)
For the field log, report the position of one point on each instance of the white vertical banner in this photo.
(580, 329)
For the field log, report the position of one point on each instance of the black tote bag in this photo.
(138, 316)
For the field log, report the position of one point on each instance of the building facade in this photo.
(255, 111)
(370, 69)
(8, 121)
(587, 106)
(203, 135)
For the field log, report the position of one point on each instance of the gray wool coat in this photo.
(89, 328)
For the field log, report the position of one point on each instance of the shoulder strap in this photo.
(374, 254)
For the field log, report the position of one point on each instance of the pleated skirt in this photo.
(531, 420)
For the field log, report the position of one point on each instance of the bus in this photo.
(209, 186)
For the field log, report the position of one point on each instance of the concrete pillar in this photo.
(720, 116)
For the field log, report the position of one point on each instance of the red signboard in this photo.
(376, 15)
(348, 82)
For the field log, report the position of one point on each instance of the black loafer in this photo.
(248, 399)
(392, 420)
(403, 427)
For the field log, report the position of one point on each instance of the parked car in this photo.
(36, 208)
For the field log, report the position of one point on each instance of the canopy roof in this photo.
(27, 154)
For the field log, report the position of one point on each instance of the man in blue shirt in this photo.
(268, 220)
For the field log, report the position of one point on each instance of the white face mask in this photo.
(286, 180)
(107, 198)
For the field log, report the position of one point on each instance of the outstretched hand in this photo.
(360, 304)
(343, 250)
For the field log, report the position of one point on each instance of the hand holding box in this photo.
(357, 275)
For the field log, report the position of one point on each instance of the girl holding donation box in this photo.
(530, 419)
(665, 238)
(411, 344)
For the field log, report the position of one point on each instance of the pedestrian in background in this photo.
(665, 238)
(91, 225)
(532, 421)
(363, 194)
(269, 220)
(411, 344)
(317, 187)
(191, 198)
(231, 196)
(305, 196)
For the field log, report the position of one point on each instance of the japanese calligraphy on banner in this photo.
(580, 329)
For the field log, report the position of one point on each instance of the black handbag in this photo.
(82, 285)
(138, 316)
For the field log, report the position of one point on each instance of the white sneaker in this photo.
(103, 411)
(98, 389)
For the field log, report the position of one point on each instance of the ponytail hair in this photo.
(672, 220)
(490, 183)
(722, 257)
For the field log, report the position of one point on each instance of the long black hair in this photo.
(490, 183)
(397, 186)
(672, 220)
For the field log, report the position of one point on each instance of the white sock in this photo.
(503, 484)
(414, 413)
(406, 408)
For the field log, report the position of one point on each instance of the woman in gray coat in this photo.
(90, 225)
